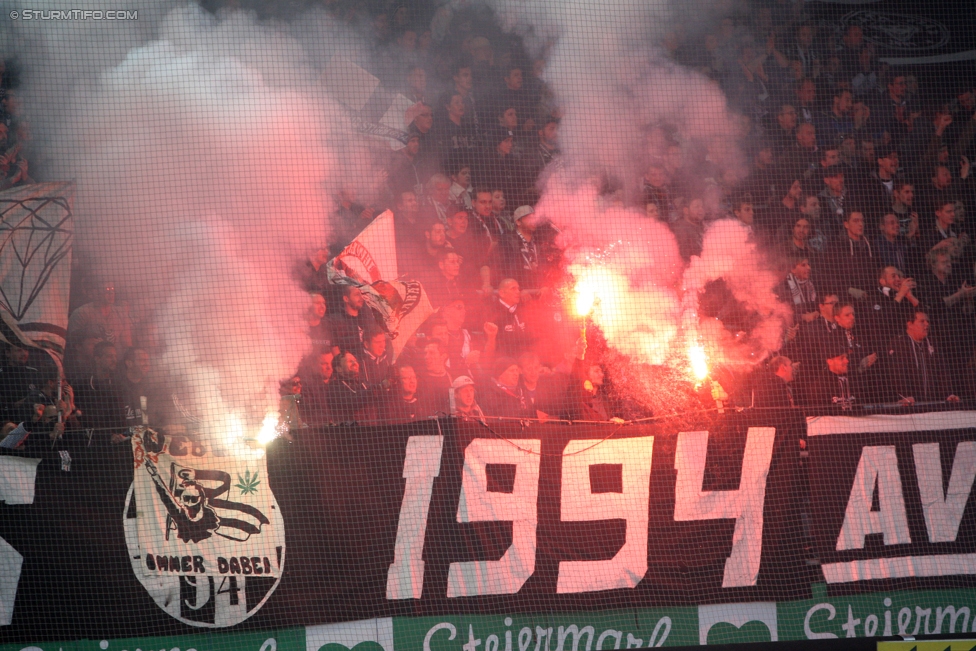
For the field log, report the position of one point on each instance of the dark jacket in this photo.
(829, 390)
(513, 334)
(916, 370)
(101, 407)
(770, 391)
(434, 393)
(500, 401)
(850, 264)
(350, 400)
(397, 410)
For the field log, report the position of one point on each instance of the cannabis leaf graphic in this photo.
(248, 484)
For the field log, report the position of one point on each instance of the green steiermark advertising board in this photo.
(878, 614)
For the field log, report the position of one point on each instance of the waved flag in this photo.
(370, 263)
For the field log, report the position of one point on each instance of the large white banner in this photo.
(35, 259)
(200, 514)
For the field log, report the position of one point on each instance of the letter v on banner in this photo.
(943, 512)
(745, 504)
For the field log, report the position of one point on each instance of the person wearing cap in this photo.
(876, 189)
(517, 253)
(832, 385)
(463, 403)
(502, 396)
(770, 386)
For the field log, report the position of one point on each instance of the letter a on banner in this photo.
(745, 504)
(579, 503)
(477, 504)
(878, 467)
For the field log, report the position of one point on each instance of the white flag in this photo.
(370, 263)
(35, 260)
(372, 255)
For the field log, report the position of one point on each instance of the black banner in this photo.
(890, 500)
(448, 517)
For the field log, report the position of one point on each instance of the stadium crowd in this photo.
(858, 183)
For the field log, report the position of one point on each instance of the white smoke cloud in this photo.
(205, 154)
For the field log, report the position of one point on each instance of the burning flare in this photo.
(269, 429)
(699, 362)
(597, 286)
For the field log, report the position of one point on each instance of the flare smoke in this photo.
(619, 95)
(205, 154)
